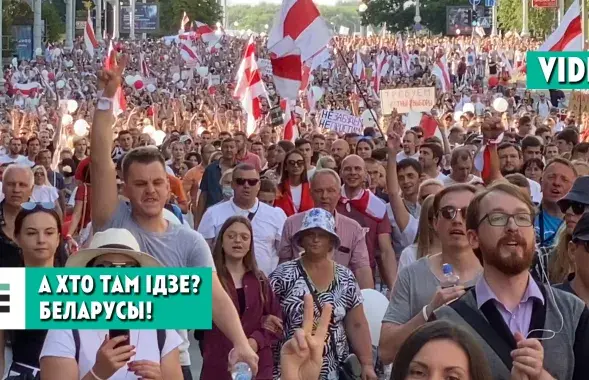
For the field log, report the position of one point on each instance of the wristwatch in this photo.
(104, 104)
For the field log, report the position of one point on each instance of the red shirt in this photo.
(252, 159)
(84, 194)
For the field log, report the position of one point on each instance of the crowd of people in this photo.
(298, 231)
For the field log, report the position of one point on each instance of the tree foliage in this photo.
(55, 27)
(399, 15)
(256, 17)
(16, 12)
(541, 21)
(171, 11)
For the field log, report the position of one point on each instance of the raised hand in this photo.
(301, 357)
(110, 80)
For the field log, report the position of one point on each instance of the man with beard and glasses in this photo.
(528, 330)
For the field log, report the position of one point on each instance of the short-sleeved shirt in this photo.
(547, 224)
(253, 160)
(177, 247)
(56, 180)
(415, 287)
(211, 183)
(177, 189)
(372, 227)
(352, 252)
(267, 223)
(60, 343)
(343, 293)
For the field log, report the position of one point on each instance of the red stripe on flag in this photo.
(573, 31)
(288, 67)
(299, 17)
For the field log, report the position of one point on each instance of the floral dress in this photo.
(289, 285)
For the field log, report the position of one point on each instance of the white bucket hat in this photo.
(113, 240)
(318, 218)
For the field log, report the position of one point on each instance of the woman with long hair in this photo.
(37, 231)
(253, 297)
(441, 350)
(43, 191)
(364, 148)
(426, 241)
(294, 193)
(280, 151)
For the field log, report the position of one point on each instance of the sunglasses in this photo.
(250, 181)
(577, 207)
(108, 264)
(296, 163)
(450, 212)
(30, 206)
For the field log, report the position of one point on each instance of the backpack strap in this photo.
(76, 335)
(479, 324)
(161, 340)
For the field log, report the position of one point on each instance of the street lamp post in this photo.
(362, 8)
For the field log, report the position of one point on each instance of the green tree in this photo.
(399, 15)
(171, 11)
(509, 15)
(55, 27)
(256, 17)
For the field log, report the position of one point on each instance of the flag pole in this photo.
(360, 91)
(584, 22)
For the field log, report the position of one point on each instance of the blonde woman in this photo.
(43, 192)
(225, 182)
(426, 241)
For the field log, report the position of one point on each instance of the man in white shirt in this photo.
(267, 221)
(543, 106)
(409, 146)
(14, 156)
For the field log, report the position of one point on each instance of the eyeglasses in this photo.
(108, 264)
(500, 219)
(250, 181)
(296, 163)
(30, 206)
(577, 207)
(450, 212)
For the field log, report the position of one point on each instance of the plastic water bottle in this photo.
(241, 371)
(450, 278)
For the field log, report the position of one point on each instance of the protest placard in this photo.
(214, 80)
(340, 121)
(103, 298)
(418, 99)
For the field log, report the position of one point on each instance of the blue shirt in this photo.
(210, 184)
(548, 225)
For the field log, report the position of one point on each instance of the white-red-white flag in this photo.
(119, 101)
(298, 33)
(188, 53)
(440, 70)
(185, 20)
(89, 36)
(250, 87)
(206, 33)
(359, 67)
(27, 89)
(143, 65)
(290, 130)
(381, 67)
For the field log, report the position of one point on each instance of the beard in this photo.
(509, 263)
(506, 171)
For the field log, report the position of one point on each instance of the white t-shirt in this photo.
(267, 226)
(60, 343)
(44, 193)
(297, 195)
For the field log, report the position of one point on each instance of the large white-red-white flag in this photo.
(188, 53)
(89, 36)
(298, 33)
(290, 131)
(185, 20)
(250, 87)
(206, 32)
(440, 70)
(119, 101)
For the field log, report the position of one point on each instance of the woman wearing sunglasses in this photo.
(42, 189)
(294, 194)
(37, 232)
(562, 267)
(150, 354)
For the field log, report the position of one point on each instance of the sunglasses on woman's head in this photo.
(108, 264)
(30, 206)
(577, 207)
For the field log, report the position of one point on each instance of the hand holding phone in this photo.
(115, 333)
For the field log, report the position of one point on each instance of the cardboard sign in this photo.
(419, 99)
(265, 66)
(340, 121)
(545, 4)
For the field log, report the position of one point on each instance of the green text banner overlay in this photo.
(547, 70)
(107, 298)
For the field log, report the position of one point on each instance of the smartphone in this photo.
(115, 333)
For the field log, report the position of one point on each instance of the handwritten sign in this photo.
(265, 66)
(418, 99)
(214, 80)
(341, 122)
